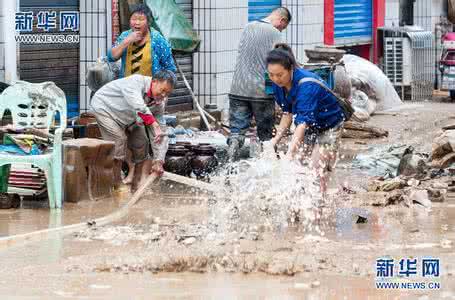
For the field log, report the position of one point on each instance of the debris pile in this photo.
(443, 149)
(420, 178)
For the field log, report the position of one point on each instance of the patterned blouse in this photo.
(160, 50)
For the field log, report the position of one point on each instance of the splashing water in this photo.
(265, 192)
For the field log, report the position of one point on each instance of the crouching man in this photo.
(129, 112)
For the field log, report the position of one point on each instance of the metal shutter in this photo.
(259, 9)
(181, 97)
(52, 62)
(353, 21)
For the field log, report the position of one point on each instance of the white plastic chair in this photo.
(35, 106)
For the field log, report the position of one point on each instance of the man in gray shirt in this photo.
(123, 109)
(251, 91)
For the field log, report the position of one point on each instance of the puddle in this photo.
(24, 220)
(212, 244)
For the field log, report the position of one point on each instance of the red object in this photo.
(364, 51)
(449, 58)
(115, 20)
(450, 36)
(149, 92)
(148, 119)
(378, 21)
(329, 22)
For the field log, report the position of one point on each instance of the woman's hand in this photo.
(133, 37)
(297, 140)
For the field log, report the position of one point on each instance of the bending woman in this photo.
(317, 115)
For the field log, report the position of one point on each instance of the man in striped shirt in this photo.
(251, 91)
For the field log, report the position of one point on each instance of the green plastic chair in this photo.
(35, 106)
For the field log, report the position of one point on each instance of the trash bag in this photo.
(170, 20)
(101, 72)
(368, 78)
(363, 105)
(343, 84)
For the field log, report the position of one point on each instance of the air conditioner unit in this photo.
(407, 60)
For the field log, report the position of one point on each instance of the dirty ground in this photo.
(167, 246)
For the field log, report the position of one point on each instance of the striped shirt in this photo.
(257, 39)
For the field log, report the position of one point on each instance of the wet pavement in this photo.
(25, 220)
(164, 249)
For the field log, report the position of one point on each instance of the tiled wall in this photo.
(2, 44)
(219, 23)
(95, 38)
(307, 26)
(428, 12)
(392, 13)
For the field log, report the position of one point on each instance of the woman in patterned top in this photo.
(142, 49)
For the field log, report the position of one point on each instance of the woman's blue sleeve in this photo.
(119, 40)
(163, 51)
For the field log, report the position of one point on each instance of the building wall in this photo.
(219, 24)
(307, 27)
(427, 13)
(2, 44)
(95, 38)
(392, 13)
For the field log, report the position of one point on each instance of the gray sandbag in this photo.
(100, 73)
(343, 84)
(368, 78)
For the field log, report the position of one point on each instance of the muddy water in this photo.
(164, 248)
(31, 218)
(211, 286)
(339, 265)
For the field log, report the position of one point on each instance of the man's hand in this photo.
(157, 167)
(157, 132)
(133, 37)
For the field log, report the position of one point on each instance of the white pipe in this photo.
(9, 32)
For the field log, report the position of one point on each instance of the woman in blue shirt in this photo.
(315, 111)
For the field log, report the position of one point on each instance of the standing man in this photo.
(123, 109)
(251, 91)
(142, 49)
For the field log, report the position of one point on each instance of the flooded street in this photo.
(181, 243)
